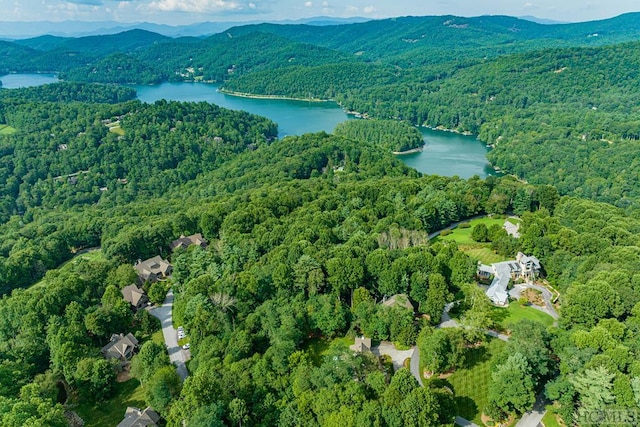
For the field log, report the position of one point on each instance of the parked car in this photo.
(187, 346)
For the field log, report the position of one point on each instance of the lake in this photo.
(445, 153)
(14, 81)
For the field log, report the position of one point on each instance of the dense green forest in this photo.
(576, 103)
(309, 236)
(74, 152)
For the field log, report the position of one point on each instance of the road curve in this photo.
(176, 354)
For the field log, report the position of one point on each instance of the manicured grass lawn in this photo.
(507, 316)
(318, 348)
(482, 252)
(6, 130)
(111, 412)
(463, 235)
(550, 419)
(92, 255)
(471, 383)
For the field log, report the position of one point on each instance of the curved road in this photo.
(176, 354)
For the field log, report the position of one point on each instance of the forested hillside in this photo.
(312, 238)
(576, 103)
(75, 152)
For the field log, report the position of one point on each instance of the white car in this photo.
(187, 346)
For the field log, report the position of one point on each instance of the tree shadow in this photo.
(473, 356)
(499, 314)
(467, 408)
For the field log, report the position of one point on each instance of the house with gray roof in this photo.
(185, 241)
(120, 347)
(153, 269)
(523, 267)
(400, 300)
(134, 417)
(362, 345)
(135, 296)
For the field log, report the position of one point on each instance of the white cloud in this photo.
(325, 4)
(198, 6)
(351, 9)
(308, 4)
(370, 9)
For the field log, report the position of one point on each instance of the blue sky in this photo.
(179, 12)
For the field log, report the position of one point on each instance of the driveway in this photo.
(176, 354)
(415, 365)
(397, 356)
(534, 417)
(547, 296)
(447, 322)
(465, 423)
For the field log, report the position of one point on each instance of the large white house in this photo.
(523, 267)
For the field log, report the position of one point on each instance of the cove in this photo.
(449, 153)
(444, 153)
(15, 81)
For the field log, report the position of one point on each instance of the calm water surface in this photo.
(445, 153)
(293, 117)
(449, 154)
(14, 81)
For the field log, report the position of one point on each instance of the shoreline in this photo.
(412, 151)
(278, 97)
(443, 129)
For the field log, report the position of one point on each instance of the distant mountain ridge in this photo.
(25, 30)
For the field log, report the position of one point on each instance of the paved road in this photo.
(454, 225)
(415, 366)
(176, 354)
(447, 322)
(533, 418)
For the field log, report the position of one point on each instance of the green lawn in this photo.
(506, 316)
(318, 348)
(92, 255)
(482, 252)
(550, 419)
(471, 383)
(111, 412)
(158, 337)
(463, 235)
(6, 130)
(117, 130)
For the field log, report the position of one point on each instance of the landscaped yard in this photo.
(479, 251)
(111, 412)
(482, 252)
(507, 316)
(91, 255)
(318, 348)
(550, 419)
(471, 384)
(6, 130)
(463, 235)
